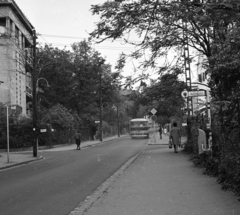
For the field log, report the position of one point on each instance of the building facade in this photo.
(16, 45)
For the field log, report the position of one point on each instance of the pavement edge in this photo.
(22, 163)
(89, 200)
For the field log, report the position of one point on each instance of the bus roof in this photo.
(139, 120)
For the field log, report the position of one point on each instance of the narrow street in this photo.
(57, 184)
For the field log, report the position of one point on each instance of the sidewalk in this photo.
(24, 157)
(161, 182)
(155, 139)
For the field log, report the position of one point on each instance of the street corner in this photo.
(16, 159)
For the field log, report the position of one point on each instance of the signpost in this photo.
(197, 93)
(154, 118)
(153, 111)
(184, 94)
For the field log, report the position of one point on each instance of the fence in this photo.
(21, 136)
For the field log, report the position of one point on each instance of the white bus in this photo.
(139, 128)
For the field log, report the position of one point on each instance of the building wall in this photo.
(13, 44)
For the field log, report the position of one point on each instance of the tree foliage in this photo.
(210, 28)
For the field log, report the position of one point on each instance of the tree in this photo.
(60, 118)
(55, 66)
(160, 24)
(165, 95)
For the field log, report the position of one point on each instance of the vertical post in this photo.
(118, 119)
(101, 108)
(154, 131)
(7, 136)
(209, 120)
(34, 101)
(187, 68)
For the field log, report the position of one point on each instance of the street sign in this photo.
(197, 93)
(153, 111)
(154, 117)
(97, 122)
(184, 93)
(43, 130)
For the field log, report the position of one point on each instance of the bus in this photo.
(139, 128)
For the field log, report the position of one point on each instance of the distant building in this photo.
(16, 43)
(199, 103)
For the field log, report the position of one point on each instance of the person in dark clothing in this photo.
(175, 136)
(160, 131)
(78, 138)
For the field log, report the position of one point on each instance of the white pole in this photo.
(154, 132)
(7, 136)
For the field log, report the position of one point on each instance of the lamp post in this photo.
(101, 62)
(101, 108)
(34, 101)
(35, 130)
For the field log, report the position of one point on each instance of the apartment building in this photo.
(16, 43)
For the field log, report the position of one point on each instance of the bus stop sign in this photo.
(154, 117)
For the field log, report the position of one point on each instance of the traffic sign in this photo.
(184, 93)
(153, 111)
(154, 117)
(43, 130)
(197, 93)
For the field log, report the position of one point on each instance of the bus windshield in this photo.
(139, 127)
(139, 124)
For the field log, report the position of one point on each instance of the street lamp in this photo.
(35, 146)
(101, 62)
(39, 80)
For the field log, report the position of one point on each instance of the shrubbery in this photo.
(224, 160)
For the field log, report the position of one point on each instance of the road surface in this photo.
(57, 184)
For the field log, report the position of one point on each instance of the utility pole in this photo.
(101, 106)
(34, 101)
(118, 126)
(187, 68)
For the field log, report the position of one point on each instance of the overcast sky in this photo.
(68, 18)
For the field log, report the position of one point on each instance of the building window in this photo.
(2, 26)
(17, 35)
(200, 77)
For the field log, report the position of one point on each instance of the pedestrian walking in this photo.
(160, 131)
(78, 138)
(175, 136)
(165, 131)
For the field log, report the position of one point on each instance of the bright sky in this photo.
(63, 22)
(66, 19)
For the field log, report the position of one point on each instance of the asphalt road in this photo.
(57, 184)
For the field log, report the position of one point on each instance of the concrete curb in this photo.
(83, 206)
(21, 163)
(100, 142)
(41, 157)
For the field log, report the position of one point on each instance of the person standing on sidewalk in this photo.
(160, 131)
(78, 138)
(175, 136)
